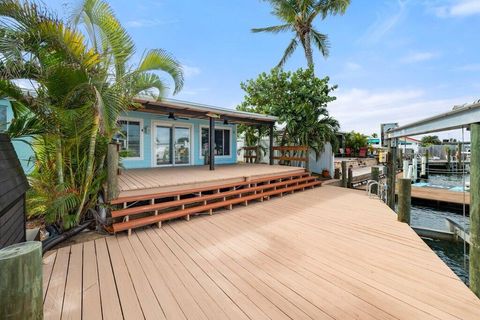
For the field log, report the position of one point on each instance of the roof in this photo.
(197, 110)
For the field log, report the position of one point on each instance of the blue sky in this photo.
(394, 61)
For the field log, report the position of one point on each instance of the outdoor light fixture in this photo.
(225, 122)
(171, 115)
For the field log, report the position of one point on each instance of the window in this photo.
(222, 142)
(129, 138)
(3, 118)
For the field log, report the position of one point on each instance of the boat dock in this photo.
(326, 253)
(440, 196)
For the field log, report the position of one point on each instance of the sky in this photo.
(393, 60)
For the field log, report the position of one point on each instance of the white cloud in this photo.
(147, 23)
(352, 66)
(469, 67)
(190, 71)
(385, 23)
(458, 8)
(364, 110)
(414, 57)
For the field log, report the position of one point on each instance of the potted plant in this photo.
(325, 173)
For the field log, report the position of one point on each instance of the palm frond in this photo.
(288, 52)
(321, 42)
(274, 29)
(160, 60)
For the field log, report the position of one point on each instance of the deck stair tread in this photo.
(219, 195)
(140, 222)
(206, 188)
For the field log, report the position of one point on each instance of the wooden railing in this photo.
(251, 154)
(291, 153)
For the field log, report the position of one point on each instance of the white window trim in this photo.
(231, 141)
(140, 120)
(172, 124)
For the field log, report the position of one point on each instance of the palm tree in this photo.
(81, 86)
(298, 17)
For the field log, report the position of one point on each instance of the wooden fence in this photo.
(13, 185)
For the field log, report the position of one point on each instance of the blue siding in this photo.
(146, 159)
(24, 151)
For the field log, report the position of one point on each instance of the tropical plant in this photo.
(355, 140)
(299, 100)
(427, 141)
(298, 17)
(80, 86)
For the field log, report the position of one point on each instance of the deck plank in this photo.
(53, 304)
(48, 263)
(92, 308)
(326, 253)
(111, 308)
(72, 304)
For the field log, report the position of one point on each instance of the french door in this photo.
(172, 145)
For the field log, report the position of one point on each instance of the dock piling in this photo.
(350, 178)
(404, 200)
(391, 173)
(375, 177)
(344, 174)
(475, 209)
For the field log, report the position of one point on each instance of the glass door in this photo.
(182, 145)
(163, 146)
(172, 145)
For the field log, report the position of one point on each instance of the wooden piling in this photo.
(404, 200)
(112, 171)
(391, 174)
(350, 178)
(21, 293)
(475, 209)
(459, 160)
(426, 164)
(344, 174)
(375, 177)
(449, 159)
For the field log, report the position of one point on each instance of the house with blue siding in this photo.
(24, 150)
(172, 133)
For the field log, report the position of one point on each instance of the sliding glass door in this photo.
(172, 145)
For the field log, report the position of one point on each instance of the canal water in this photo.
(451, 253)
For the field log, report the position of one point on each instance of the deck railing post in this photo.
(344, 174)
(211, 143)
(475, 209)
(404, 200)
(271, 144)
(112, 171)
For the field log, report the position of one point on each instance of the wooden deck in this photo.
(133, 182)
(326, 253)
(440, 195)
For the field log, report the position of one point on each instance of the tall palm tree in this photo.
(298, 17)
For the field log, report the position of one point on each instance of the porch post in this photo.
(211, 143)
(271, 144)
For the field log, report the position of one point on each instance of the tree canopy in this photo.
(429, 141)
(299, 100)
(297, 17)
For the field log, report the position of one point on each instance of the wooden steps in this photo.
(171, 205)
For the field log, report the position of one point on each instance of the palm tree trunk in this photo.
(59, 160)
(90, 165)
(308, 50)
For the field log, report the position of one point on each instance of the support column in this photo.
(404, 200)
(271, 144)
(475, 209)
(211, 143)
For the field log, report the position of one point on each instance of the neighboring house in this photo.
(175, 133)
(24, 151)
